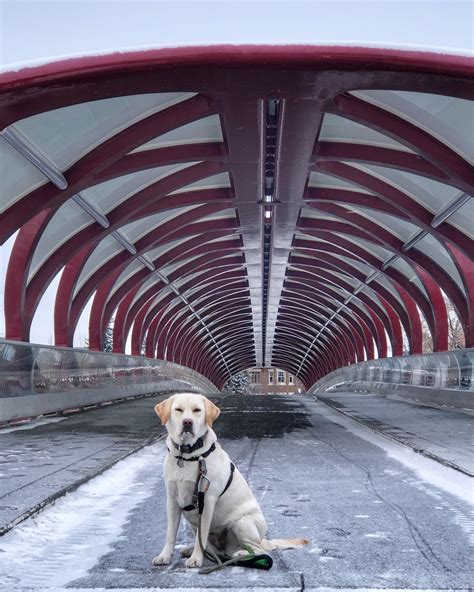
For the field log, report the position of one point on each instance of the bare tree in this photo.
(427, 339)
(456, 339)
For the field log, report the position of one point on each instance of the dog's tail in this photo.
(271, 545)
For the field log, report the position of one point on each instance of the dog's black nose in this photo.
(187, 425)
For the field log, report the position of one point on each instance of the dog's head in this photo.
(187, 416)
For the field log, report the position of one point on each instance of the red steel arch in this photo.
(229, 207)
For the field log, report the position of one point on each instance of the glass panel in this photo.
(70, 370)
(431, 194)
(340, 129)
(449, 119)
(46, 370)
(447, 371)
(220, 180)
(435, 250)
(16, 363)
(146, 285)
(18, 176)
(105, 250)
(395, 225)
(317, 179)
(403, 267)
(89, 371)
(110, 194)
(31, 370)
(207, 129)
(130, 270)
(66, 222)
(463, 219)
(65, 135)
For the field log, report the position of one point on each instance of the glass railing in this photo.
(82, 377)
(453, 370)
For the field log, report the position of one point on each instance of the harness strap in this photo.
(231, 477)
(191, 507)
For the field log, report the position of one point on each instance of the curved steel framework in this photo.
(302, 207)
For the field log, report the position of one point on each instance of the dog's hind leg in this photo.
(245, 532)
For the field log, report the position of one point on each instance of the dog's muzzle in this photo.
(187, 427)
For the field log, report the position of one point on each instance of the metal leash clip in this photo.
(203, 484)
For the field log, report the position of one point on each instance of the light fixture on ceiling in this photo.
(386, 264)
(91, 209)
(123, 240)
(146, 262)
(162, 277)
(411, 242)
(450, 209)
(372, 276)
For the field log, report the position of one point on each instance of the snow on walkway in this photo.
(81, 527)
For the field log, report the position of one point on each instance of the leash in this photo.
(251, 560)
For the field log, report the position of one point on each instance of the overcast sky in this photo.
(40, 30)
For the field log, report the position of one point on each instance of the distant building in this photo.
(274, 381)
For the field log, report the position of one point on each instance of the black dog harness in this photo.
(202, 482)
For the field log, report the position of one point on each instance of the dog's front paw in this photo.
(194, 561)
(162, 559)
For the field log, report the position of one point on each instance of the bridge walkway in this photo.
(378, 514)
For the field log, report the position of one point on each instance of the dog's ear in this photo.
(163, 410)
(212, 411)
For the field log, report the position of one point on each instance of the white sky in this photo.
(42, 30)
(38, 29)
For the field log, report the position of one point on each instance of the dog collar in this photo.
(188, 448)
(180, 458)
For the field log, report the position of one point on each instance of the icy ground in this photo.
(379, 516)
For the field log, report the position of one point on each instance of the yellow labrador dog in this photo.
(231, 518)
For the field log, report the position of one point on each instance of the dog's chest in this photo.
(182, 480)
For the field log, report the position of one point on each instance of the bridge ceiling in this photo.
(233, 207)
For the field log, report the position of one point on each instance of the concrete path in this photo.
(379, 516)
(445, 435)
(47, 458)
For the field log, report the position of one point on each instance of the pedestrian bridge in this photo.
(302, 207)
(207, 209)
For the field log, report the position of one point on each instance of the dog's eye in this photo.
(196, 410)
(179, 410)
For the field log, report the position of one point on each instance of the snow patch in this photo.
(30, 426)
(430, 471)
(81, 527)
